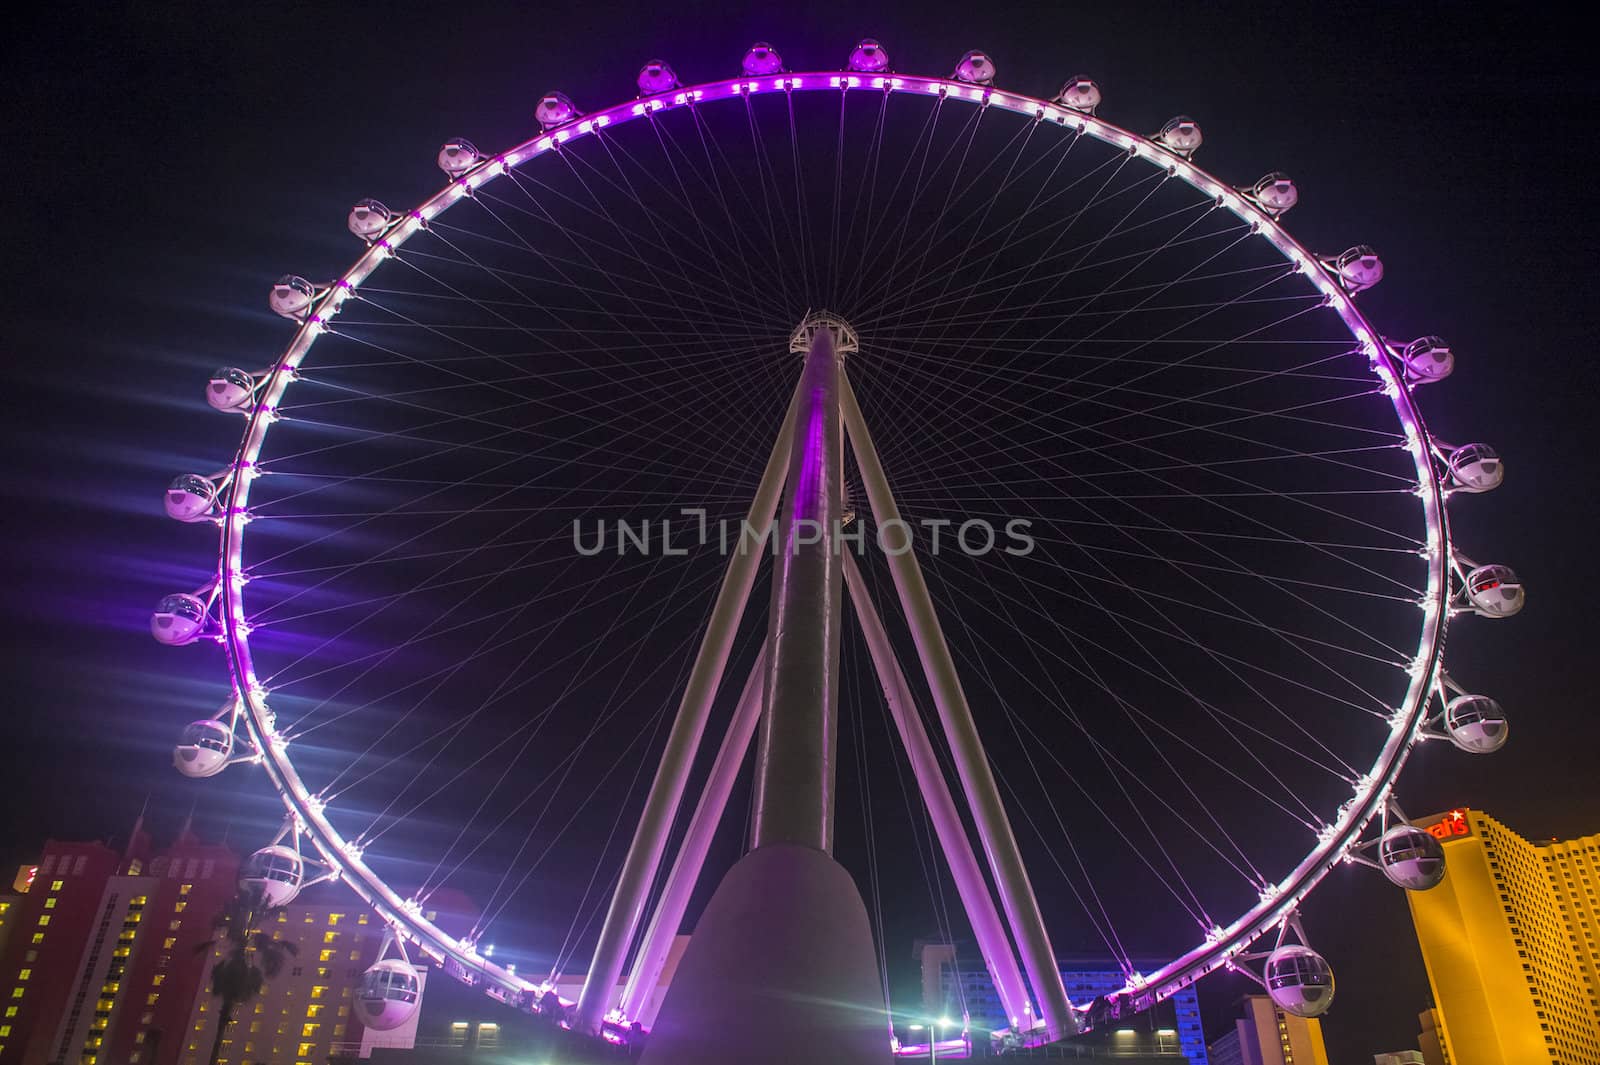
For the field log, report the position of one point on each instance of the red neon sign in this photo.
(1451, 825)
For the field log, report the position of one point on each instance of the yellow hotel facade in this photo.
(1509, 943)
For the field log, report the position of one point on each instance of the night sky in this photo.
(167, 163)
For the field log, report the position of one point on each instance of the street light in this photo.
(933, 1028)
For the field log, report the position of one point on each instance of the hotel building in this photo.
(1266, 1035)
(1509, 943)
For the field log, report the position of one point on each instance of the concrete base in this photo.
(780, 971)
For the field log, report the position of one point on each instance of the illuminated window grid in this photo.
(1539, 890)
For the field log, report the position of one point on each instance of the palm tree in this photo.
(250, 957)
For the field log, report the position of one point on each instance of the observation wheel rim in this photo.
(1222, 946)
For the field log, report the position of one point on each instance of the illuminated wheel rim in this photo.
(1227, 939)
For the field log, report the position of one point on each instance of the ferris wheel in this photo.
(1151, 569)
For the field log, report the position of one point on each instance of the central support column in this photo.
(781, 968)
(794, 795)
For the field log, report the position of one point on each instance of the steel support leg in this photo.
(972, 765)
(795, 759)
(685, 872)
(998, 956)
(666, 791)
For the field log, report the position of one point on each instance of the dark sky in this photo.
(167, 162)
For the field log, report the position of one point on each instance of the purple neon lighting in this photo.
(1219, 947)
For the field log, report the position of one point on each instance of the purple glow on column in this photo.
(808, 490)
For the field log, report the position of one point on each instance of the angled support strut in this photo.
(998, 956)
(666, 791)
(955, 715)
(686, 867)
